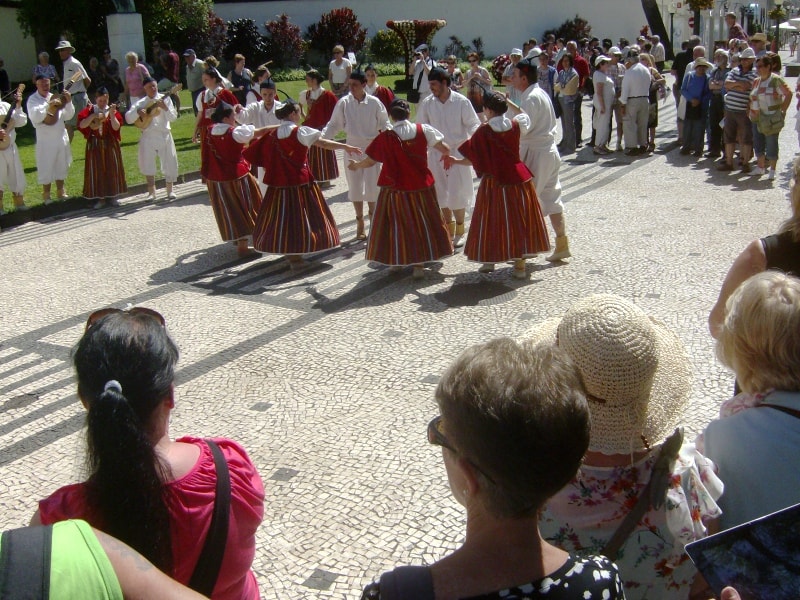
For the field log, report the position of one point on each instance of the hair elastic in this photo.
(113, 384)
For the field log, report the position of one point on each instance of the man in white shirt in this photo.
(420, 69)
(453, 115)
(53, 153)
(635, 104)
(77, 89)
(156, 140)
(659, 53)
(261, 114)
(12, 176)
(539, 152)
(362, 117)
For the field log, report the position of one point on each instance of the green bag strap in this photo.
(25, 563)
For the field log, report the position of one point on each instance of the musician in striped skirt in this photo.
(507, 222)
(294, 218)
(407, 227)
(232, 189)
(104, 173)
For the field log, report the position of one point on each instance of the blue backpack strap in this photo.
(407, 583)
(25, 563)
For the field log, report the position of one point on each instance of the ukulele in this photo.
(153, 110)
(101, 116)
(57, 102)
(7, 125)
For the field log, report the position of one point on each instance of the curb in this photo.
(72, 204)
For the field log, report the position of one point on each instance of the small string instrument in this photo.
(100, 117)
(7, 125)
(57, 102)
(153, 110)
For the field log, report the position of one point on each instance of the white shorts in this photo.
(545, 163)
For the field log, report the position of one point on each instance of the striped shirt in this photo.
(737, 100)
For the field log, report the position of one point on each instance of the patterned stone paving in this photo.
(327, 376)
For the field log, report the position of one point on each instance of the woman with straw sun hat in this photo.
(641, 494)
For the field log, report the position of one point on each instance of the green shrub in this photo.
(385, 46)
(340, 26)
(285, 45)
(245, 39)
(571, 29)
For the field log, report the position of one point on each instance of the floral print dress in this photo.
(584, 515)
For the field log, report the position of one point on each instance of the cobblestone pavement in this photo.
(327, 376)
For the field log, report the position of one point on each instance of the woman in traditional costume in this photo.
(407, 227)
(507, 223)
(294, 218)
(320, 103)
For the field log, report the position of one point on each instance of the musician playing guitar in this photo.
(53, 154)
(156, 140)
(12, 176)
(104, 173)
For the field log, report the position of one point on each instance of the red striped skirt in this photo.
(104, 173)
(295, 220)
(236, 204)
(322, 163)
(507, 223)
(407, 228)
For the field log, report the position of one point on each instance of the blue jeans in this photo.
(568, 140)
(764, 144)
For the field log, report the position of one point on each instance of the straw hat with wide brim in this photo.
(65, 45)
(636, 371)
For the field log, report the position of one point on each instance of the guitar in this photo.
(99, 118)
(7, 125)
(57, 102)
(153, 110)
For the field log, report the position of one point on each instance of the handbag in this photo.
(770, 123)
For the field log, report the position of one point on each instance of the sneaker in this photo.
(459, 241)
(486, 268)
(172, 196)
(48, 201)
(771, 175)
(758, 171)
(150, 198)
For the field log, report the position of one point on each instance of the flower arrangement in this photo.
(415, 32)
(697, 5)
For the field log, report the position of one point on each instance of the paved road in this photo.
(327, 377)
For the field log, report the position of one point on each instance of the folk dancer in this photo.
(381, 92)
(104, 173)
(507, 223)
(12, 176)
(407, 228)
(261, 114)
(362, 117)
(453, 115)
(156, 139)
(53, 153)
(294, 219)
(212, 96)
(320, 103)
(232, 189)
(538, 151)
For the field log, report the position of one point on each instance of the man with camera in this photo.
(423, 64)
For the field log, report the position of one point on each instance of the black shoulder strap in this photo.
(784, 409)
(419, 79)
(25, 563)
(208, 565)
(407, 583)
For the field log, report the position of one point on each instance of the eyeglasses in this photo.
(437, 438)
(134, 310)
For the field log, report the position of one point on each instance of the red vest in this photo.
(497, 154)
(320, 110)
(405, 163)
(285, 161)
(208, 107)
(225, 161)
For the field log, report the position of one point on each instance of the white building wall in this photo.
(502, 24)
(18, 52)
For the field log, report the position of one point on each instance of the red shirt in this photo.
(285, 161)
(190, 501)
(496, 153)
(225, 161)
(405, 163)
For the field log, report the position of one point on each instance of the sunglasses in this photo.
(437, 438)
(135, 310)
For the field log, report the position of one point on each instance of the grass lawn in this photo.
(182, 129)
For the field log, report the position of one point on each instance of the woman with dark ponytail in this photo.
(154, 493)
